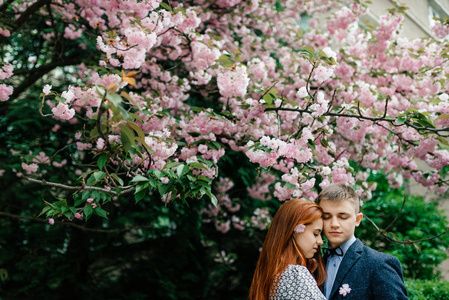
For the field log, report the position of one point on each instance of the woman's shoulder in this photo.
(297, 269)
(297, 272)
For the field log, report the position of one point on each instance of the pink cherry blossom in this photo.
(5, 92)
(299, 228)
(63, 112)
(233, 82)
(30, 168)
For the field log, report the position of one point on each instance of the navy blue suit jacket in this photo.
(370, 275)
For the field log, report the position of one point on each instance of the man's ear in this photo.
(358, 219)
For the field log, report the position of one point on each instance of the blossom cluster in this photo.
(6, 90)
(300, 116)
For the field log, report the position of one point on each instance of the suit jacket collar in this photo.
(351, 257)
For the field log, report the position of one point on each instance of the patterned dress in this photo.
(297, 283)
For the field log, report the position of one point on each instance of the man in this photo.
(354, 271)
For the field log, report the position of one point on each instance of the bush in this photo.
(427, 289)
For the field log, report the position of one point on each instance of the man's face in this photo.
(340, 221)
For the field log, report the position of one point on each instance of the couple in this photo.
(290, 265)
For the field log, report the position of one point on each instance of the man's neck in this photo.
(345, 245)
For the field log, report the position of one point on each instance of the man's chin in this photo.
(334, 243)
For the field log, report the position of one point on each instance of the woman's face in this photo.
(309, 240)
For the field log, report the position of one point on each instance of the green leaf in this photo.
(400, 120)
(127, 137)
(141, 187)
(217, 144)
(94, 132)
(137, 129)
(142, 141)
(166, 6)
(197, 165)
(309, 49)
(443, 141)
(180, 169)
(140, 195)
(224, 59)
(443, 117)
(101, 212)
(88, 210)
(115, 99)
(171, 165)
(204, 178)
(102, 161)
(79, 201)
(212, 197)
(138, 178)
(85, 174)
(311, 144)
(158, 174)
(99, 175)
(164, 188)
(324, 143)
(118, 179)
(44, 210)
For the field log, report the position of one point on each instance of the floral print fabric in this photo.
(297, 283)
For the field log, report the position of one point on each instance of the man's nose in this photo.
(334, 222)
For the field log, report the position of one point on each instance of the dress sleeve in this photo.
(297, 283)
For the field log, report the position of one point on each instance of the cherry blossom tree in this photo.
(225, 107)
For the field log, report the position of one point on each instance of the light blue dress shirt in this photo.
(332, 265)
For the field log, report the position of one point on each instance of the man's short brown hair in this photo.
(338, 192)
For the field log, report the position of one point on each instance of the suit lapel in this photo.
(351, 257)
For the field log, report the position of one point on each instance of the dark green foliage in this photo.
(427, 289)
(419, 219)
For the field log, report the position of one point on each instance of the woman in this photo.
(290, 253)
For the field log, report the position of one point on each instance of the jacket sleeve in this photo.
(388, 282)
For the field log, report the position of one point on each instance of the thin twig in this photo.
(268, 90)
(405, 242)
(397, 216)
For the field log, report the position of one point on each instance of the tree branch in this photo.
(373, 119)
(125, 190)
(83, 228)
(34, 75)
(23, 19)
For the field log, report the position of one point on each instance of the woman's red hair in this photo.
(279, 248)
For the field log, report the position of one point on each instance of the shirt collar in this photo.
(345, 246)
